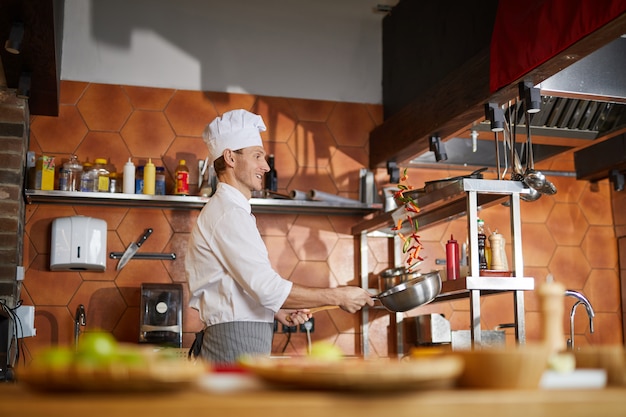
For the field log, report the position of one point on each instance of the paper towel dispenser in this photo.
(78, 243)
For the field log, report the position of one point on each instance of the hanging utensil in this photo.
(533, 178)
(516, 166)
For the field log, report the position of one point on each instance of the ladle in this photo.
(516, 165)
(533, 178)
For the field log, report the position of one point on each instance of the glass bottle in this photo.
(86, 178)
(74, 170)
(100, 176)
(159, 181)
(482, 242)
(271, 176)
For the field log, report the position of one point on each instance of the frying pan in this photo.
(407, 295)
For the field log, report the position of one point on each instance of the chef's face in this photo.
(250, 167)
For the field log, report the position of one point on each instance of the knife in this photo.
(132, 249)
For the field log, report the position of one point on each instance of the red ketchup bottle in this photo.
(452, 259)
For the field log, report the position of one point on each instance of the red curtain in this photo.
(528, 33)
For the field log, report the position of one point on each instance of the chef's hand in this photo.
(291, 317)
(354, 298)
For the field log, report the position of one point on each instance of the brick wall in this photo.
(14, 134)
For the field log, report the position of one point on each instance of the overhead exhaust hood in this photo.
(587, 101)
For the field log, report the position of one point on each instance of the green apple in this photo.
(326, 351)
(96, 348)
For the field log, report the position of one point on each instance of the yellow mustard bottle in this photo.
(149, 177)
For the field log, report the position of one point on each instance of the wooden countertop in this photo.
(17, 400)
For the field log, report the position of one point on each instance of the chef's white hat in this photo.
(236, 129)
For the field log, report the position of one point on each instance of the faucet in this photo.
(581, 299)
(79, 320)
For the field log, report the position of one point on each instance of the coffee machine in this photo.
(161, 315)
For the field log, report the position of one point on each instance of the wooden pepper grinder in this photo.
(552, 296)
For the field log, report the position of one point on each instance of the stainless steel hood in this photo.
(584, 102)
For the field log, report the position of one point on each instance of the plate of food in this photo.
(357, 374)
(102, 364)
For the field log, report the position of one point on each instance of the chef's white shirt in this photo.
(227, 266)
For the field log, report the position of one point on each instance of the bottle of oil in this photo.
(182, 178)
(482, 243)
(271, 176)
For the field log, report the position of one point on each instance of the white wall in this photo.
(314, 49)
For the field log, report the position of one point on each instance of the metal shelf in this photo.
(259, 205)
(460, 198)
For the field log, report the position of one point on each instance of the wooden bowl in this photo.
(519, 367)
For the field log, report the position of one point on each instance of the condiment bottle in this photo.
(139, 180)
(452, 259)
(271, 176)
(159, 181)
(482, 242)
(74, 171)
(129, 177)
(101, 175)
(182, 178)
(149, 176)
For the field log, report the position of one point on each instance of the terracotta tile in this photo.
(343, 224)
(284, 162)
(189, 112)
(55, 327)
(313, 274)
(137, 221)
(339, 262)
(350, 124)
(537, 211)
(224, 102)
(279, 118)
(348, 343)
(312, 144)
(570, 266)
(103, 304)
(145, 98)
(61, 134)
(600, 248)
(178, 246)
(271, 225)
(307, 179)
(106, 145)
(537, 245)
(282, 256)
(345, 165)
(127, 329)
(312, 238)
(597, 206)
(147, 134)
(50, 288)
(606, 333)
(137, 272)
(182, 221)
(104, 107)
(71, 91)
(496, 309)
(569, 189)
(312, 110)
(376, 113)
(112, 215)
(603, 291)
(567, 224)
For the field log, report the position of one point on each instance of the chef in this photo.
(231, 281)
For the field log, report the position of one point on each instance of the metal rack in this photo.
(259, 205)
(461, 198)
